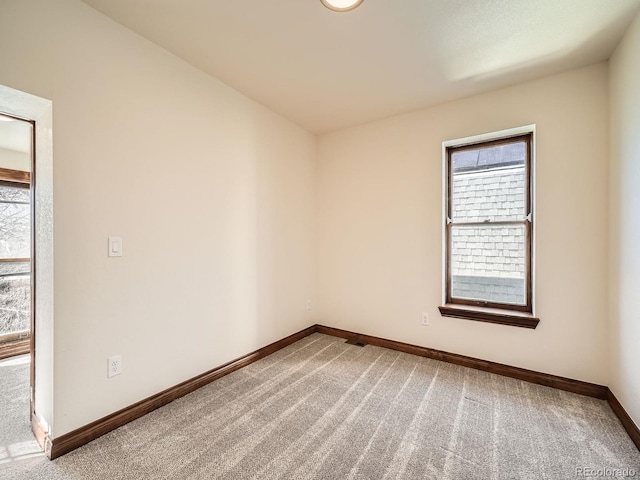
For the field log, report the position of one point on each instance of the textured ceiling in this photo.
(326, 70)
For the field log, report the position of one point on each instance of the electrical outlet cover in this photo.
(114, 366)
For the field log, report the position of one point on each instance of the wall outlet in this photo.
(308, 304)
(425, 318)
(114, 366)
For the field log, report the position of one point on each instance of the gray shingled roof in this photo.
(490, 157)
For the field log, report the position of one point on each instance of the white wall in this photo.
(625, 222)
(213, 194)
(15, 144)
(215, 197)
(380, 225)
(15, 160)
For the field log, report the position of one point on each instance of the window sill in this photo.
(490, 315)
(15, 347)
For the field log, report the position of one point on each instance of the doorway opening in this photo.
(26, 255)
(16, 152)
(16, 289)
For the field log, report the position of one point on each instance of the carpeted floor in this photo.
(324, 409)
(17, 443)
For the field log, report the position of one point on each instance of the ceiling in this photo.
(326, 70)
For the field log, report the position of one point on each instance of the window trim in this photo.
(492, 312)
(15, 178)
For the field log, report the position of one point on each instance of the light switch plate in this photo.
(115, 246)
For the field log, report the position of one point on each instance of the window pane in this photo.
(15, 281)
(15, 299)
(15, 226)
(483, 158)
(489, 183)
(14, 194)
(488, 263)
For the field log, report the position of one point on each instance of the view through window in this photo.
(16, 145)
(15, 251)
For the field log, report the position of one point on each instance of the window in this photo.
(15, 262)
(489, 229)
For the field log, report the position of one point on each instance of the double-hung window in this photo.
(489, 228)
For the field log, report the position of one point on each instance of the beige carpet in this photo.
(17, 443)
(323, 409)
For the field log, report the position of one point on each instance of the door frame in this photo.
(39, 112)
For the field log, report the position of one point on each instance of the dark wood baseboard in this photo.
(83, 435)
(627, 422)
(42, 437)
(576, 386)
(18, 347)
(561, 383)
